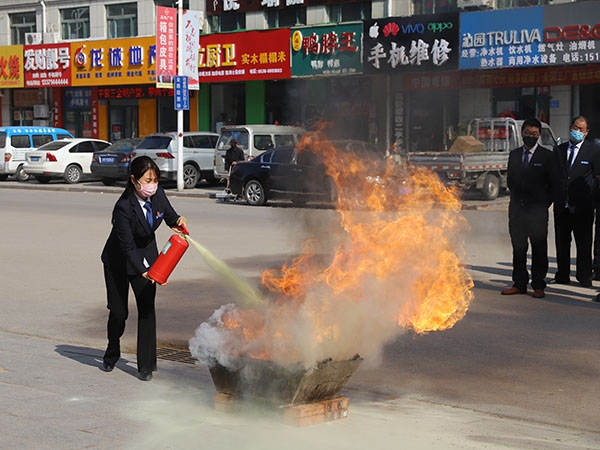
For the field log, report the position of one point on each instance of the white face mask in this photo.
(148, 189)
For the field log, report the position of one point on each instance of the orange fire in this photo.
(397, 265)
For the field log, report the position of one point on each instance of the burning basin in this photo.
(284, 384)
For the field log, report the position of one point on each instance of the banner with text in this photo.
(166, 46)
(250, 55)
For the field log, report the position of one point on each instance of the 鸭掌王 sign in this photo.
(251, 55)
(411, 44)
(327, 50)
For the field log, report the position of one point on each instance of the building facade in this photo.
(407, 74)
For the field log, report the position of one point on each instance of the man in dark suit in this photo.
(578, 171)
(530, 177)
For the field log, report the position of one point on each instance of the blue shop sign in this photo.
(502, 39)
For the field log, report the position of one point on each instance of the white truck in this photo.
(483, 170)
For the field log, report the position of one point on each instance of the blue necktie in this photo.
(149, 218)
(526, 156)
(571, 154)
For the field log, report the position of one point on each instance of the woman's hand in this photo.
(181, 220)
(147, 277)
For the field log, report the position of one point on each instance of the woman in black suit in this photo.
(128, 254)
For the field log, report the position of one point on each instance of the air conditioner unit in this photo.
(33, 38)
(40, 111)
(50, 38)
(475, 4)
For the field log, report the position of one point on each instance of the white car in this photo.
(68, 158)
(198, 154)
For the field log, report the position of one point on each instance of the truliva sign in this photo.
(530, 37)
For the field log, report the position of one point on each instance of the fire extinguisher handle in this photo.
(181, 229)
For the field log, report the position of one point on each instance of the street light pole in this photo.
(180, 42)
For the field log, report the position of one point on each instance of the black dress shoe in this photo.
(585, 284)
(145, 375)
(597, 298)
(107, 367)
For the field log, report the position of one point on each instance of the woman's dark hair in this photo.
(138, 167)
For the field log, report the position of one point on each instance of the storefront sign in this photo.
(26, 98)
(498, 39)
(411, 44)
(47, 65)
(134, 92)
(399, 124)
(11, 66)
(114, 62)
(327, 50)
(572, 35)
(218, 7)
(166, 46)
(77, 98)
(252, 55)
(532, 77)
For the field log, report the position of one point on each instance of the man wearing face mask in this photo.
(578, 169)
(128, 254)
(530, 177)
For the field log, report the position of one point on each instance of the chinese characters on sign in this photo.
(529, 37)
(509, 38)
(166, 46)
(11, 66)
(410, 44)
(218, 7)
(254, 55)
(114, 62)
(47, 65)
(182, 94)
(327, 50)
(191, 42)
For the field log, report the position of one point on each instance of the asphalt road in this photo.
(517, 357)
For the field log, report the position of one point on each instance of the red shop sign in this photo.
(47, 65)
(251, 55)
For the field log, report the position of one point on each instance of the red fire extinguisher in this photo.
(169, 256)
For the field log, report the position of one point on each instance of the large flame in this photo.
(396, 265)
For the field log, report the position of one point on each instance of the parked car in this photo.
(288, 174)
(15, 142)
(253, 140)
(198, 155)
(68, 158)
(112, 163)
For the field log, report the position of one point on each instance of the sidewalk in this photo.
(55, 397)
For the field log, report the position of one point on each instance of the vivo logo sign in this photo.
(413, 28)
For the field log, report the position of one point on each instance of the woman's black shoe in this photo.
(107, 367)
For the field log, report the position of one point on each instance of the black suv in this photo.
(288, 174)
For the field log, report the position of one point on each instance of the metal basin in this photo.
(284, 384)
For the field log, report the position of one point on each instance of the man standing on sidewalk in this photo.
(578, 165)
(530, 177)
